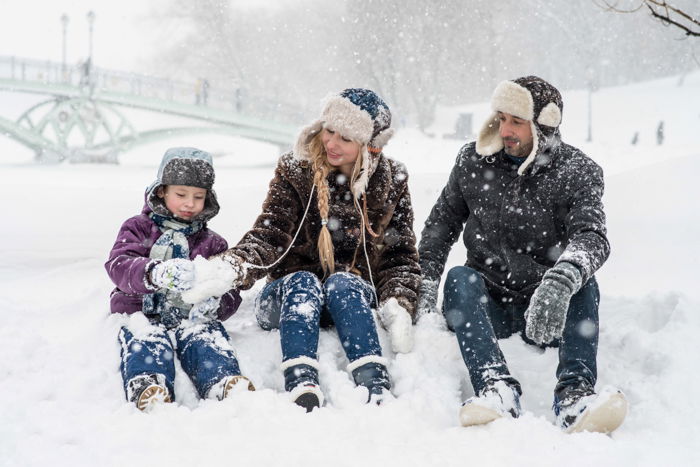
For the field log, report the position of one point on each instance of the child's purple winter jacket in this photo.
(129, 259)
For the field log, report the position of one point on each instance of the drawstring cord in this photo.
(301, 223)
(365, 227)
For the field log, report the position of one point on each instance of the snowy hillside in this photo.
(61, 399)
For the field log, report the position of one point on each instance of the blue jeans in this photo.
(203, 350)
(299, 305)
(479, 321)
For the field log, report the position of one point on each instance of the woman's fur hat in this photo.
(358, 114)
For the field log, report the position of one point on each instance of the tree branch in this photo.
(661, 10)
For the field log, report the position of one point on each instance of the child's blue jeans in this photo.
(204, 350)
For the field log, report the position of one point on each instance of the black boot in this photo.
(301, 382)
(375, 377)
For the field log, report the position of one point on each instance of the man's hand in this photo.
(545, 317)
(398, 323)
(173, 274)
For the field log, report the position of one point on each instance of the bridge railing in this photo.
(92, 79)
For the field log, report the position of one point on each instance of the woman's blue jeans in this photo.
(299, 305)
(479, 321)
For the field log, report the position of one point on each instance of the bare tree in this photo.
(668, 14)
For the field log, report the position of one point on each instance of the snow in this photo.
(213, 278)
(61, 397)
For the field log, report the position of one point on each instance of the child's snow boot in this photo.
(371, 373)
(226, 385)
(147, 390)
(301, 382)
(578, 408)
(496, 400)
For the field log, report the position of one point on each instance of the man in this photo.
(534, 227)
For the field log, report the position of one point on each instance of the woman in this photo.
(335, 238)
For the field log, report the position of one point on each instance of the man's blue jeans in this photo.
(203, 349)
(299, 305)
(479, 321)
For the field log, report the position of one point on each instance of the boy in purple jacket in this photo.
(150, 264)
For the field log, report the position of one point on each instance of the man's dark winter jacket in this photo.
(518, 226)
(392, 255)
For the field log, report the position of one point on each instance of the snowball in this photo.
(212, 278)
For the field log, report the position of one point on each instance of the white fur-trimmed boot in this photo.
(370, 371)
(498, 399)
(147, 390)
(225, 387)
(301, 382)
(578, 408)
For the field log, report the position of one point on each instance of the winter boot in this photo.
(147, 390)
(224, 387)
(578, 408)
(371, 373)
(301, 382)
(496, 400)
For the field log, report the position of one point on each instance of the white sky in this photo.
(125, 31)
(32, 29)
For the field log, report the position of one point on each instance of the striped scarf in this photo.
(171, 244)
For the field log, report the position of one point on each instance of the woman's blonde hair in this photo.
(321, 168)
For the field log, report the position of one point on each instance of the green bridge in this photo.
(82, 118)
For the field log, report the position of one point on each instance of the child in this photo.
(150, 266)
(335, 239)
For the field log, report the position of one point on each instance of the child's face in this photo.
(183, 201)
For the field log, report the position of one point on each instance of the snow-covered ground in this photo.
(61, 399)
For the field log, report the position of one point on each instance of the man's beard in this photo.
(519, 150)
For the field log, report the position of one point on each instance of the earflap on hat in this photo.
(301, 148)
(370, 161)
(380, 140)
(489, 141)
(535, 148)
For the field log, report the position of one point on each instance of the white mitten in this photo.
(212, 278)
(174, 274)
(206, 310)
(398, 323)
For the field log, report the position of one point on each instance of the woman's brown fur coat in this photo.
(392, 255)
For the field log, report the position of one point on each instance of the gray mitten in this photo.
(427, 297)
(174, 274)
(546, 315)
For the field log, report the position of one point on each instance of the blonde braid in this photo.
(321, 168)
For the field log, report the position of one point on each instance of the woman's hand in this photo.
(398, 323)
